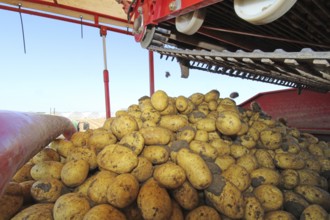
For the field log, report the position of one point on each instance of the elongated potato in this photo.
(46, 169)
(46, 154)
(169, 175)
(264, 158)
(206, 124)
(156, 154)
(173, 122)
(156, 135)
(97, 141)
(203, 148)
(289, 161)
(294, 203)
(314, 212)
(265, 176)
(36, 212)
(195, 167)
(181, 103)
(212, 95)
(24, 173)
(253, 208)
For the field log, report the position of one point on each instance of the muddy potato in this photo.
(123, 125)
(98, 141)
(173, 122)
(265, 176)
(224, 161)
(270, 197)
(225, 197)
(186, 133)
(271, 139)
(206, 124)
(195, 116)
(203, 148)
(46, 154)
(314, 212)
(11, 201)
(181, 103)
(150, 114)
(47, 190)
(37, 211)
(203, 213)
(186, 196)
(154, 201)
(202, 135)
(195, 167)
(156, 154)
(104, 212)
(143, 170)
(80, 153)
(222, 146)
(248, 141)
(238, 176)
(237, 150)
(97, 190)
(289, 179)
(169, 175)
(197, 98)
(248, 161)
(74, 172)
(134, 141)
(264, 158)
(314, 195)
(279, 214)
(23, 173)
(289, 161)
(70, 206)
(294, 203)
(46, 169)
(228, 123)
(123, 190)
(63, 146)
(253, 208)
(156, 135)
(159, 100)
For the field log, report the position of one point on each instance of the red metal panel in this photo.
(309, 111)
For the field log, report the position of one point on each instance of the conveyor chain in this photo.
(306, 69)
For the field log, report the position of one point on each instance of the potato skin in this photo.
(104, 212)
(203, 148)
(46, 169)
(37, 211)
(195, 167)
(24, 173)
(123, 125)
(143, 170)
(70, 206)
(156, 135)
(270, 197)
(46, 154)
(83, 153)
(154, 201)
(294, 203)
(156, 154)
(74, 172)
(314, 212)
(134, 141)
(169, 175)
(203, 213)
(265, 176)
(47, 190)
(173, 122)
(11, 201)
(264, 159)
(289, 179)
(228, 123)
(186, 195)
(238, 176)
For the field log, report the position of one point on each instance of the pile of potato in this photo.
(200, 157)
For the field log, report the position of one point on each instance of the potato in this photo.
(150, 114)
(46, 169)
(117, 158)
(222, 146)
(212, 95)
(213, 135)
(238, 176)
(264, 176)
(83, 188)
(11, 201)
(156, 154)
(289, 161)
(70, 206)
(310, 177)
(169, 175)
(186, 195)
(104, 212)
(80, 138)
(204, 149)
(248, 141)
(26, 191)
(47, 190)
(37, 211)
(314, 195)
(270, 197)
(154, 201)
(314, 212)
(228, 123)
(248, 161)
(202, 135)
(80, 153)
(143, 170)
(197, 98)
(134, 141)
(289, 179)
(294, 203)
(97, 190)
(264, 159)
(224, 161)
(170, 109)
(24, 173)
(74, 172)
(46, 154)
(181, 103)
(195, 167)
(156, 135)
(145, 103)
(203, 213)
(159, 100)
(123, 125)
(63, 146)
(148, 123)
(173, 122)
(313, 164)
(253, 208)
(206, 124)
(275, 215)
(315, 149)
(133, 212)
(176, 212)
(204, 108)
(237, 150)
(225, 197)
(123, 190)
(186, 133)
(195, 116)
(189, 109)
(99, 140)
(271, 139)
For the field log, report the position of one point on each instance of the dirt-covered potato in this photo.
(279, 214)
(186, 196)
(97, 188)
(181, 103)
(173, 122)
(202, 135)
(289, 161)
(212, 95)
(143, 170)
(238, 150)
(264, 158)
(134, 141)
(203, 213)
(156, 154)
(83, 153)
(271, 139)
(123, 190)
(177, 213)
(156, 135)
(310, 177)
(11, 201)
(195, 167)
(98, 141)
(248, 161)
(154, 201)
(203, 148)
(46, 154)
(104, 212)
(46, 169)
(224, 162)
(289, 179)
(294, 203)
(253, 208)
(238, 176)
(270, 197)
(47, 190)
(314, 212)
(123, 125)
(70, 206)
(186, 133)
(74, 172)
(222, 146)
(150, 114)
(117, 158)
(83, 188)
(169, 175)
(159, 100)
(228, 123)
(24, 173)
(314, 195)
(265, 176)
(37, 211)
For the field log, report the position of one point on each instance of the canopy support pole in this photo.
(151, 72)
(103, 32)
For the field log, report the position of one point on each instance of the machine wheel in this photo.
(191, 22)
(259, 12)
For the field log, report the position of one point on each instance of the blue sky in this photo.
(62, 71)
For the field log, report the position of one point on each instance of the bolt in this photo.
(172, 6)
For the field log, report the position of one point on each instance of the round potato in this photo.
(289, 179)
(37, 211)
(123, 190)
(186, 195)
(222, 146)
(62, 146)
(197, 98)
(228, 123)
(70, 206)
(156, 154)
(150, 114)
(173, 122)
(123, 125)
(47, 190)
(271, 139)
(97, 141)
(80, 138)
(270, 197)
(169, 175)
(74, 172)
(159, 100)
(206, 124)
(203, 213)
(186, 133)
(314, 212)
(104, 212)
(248, 161)
(46, 169)
(264, 159)
(134, 141)
(237, 150)
(143, 170)
(238, 176)
(202, 135)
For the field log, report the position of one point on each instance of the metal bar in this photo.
(106, 75)
(151, 72)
